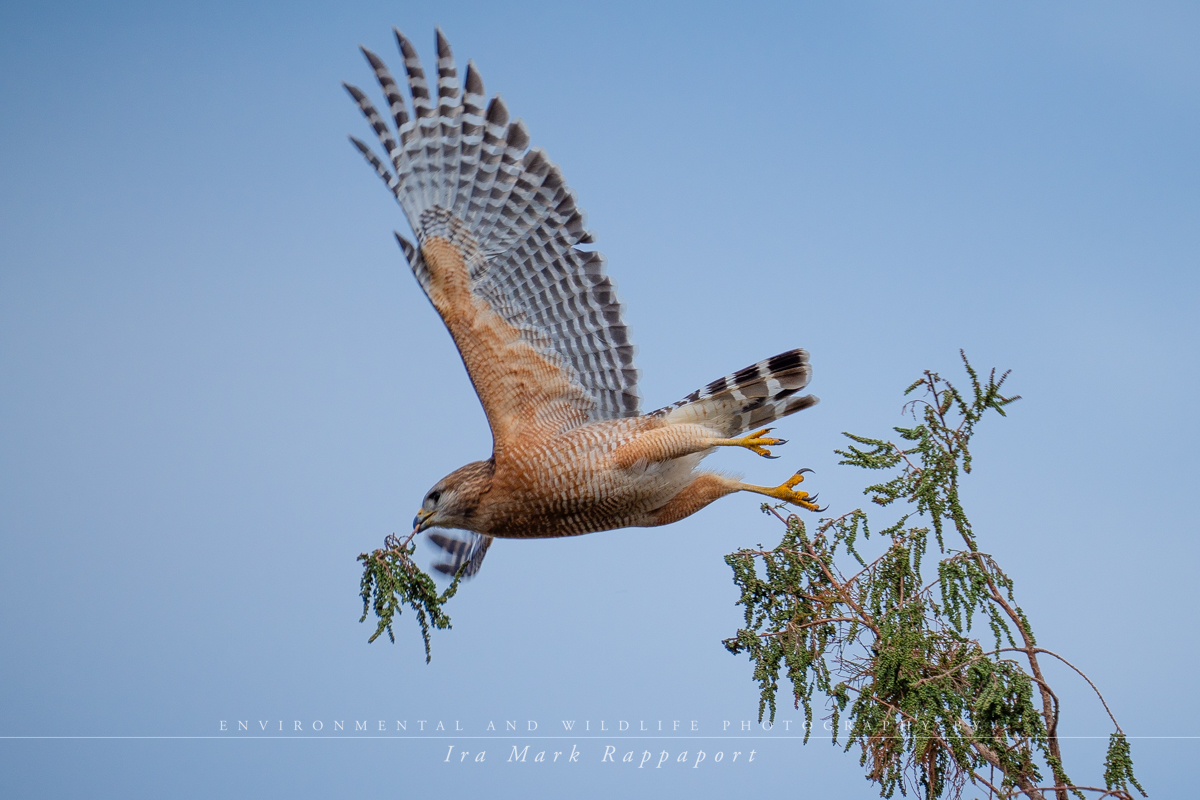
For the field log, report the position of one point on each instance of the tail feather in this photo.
(749, 398)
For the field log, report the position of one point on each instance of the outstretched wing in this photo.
(536, 319)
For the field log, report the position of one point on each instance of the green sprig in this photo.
(391, 579)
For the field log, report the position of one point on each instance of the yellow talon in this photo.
(787, 493)
(755, 442)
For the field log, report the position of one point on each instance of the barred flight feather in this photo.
(467, 173)
(749, 398)
(464, 547)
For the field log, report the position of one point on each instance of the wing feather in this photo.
(461, 547)
(465, 174)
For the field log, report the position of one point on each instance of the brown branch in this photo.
(1048, 707)
(814, 623)
(904, 455)
(830, 522)
(963, 665)
(1080, 673)
(840, 586)
(976, 777)
(867, 568)
(1104, 792)
(990, 756)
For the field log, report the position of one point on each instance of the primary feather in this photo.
(467, 174)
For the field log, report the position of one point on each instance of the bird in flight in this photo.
(539, 327)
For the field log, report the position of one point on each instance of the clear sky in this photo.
(221, 383)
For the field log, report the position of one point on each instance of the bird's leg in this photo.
(707, 487)
(786, 492)
(756, 442)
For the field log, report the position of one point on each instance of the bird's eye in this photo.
(433, 497)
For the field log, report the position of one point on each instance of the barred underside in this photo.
(749, 398)
(464, 172)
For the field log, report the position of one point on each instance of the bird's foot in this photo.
(789, 494)
(757, 442)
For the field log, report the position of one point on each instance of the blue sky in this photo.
(221, 383)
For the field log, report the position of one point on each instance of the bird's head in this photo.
(453, 500)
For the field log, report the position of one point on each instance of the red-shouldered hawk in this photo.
(540, 330)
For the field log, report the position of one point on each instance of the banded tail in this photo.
(749, 398)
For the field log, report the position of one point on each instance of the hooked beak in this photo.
(421, 520)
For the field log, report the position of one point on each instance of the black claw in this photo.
(802, 471)
(822, 510)
(768, 455)
(812, 498)
(781, 442)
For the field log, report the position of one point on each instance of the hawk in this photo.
(539, 327)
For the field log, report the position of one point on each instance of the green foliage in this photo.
(777, 604)
(391, 578)
(1118, 765)
(946, 424)
(928, 706)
